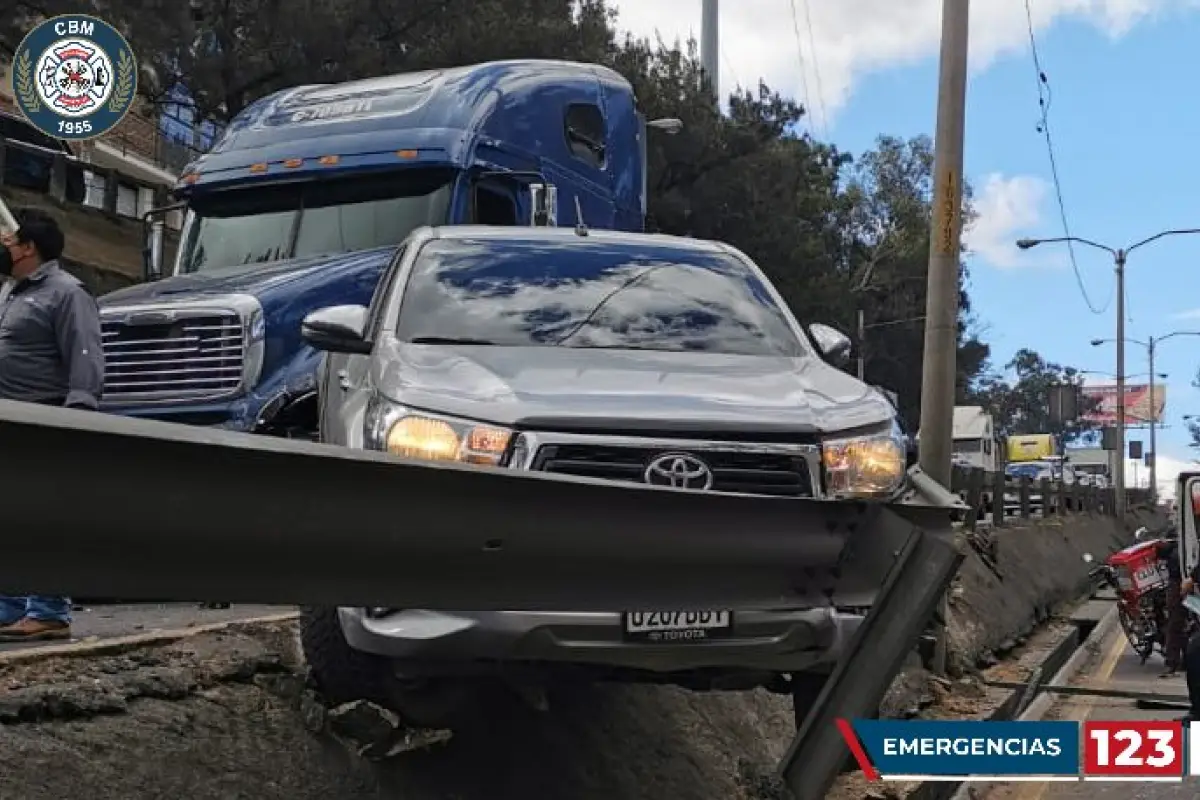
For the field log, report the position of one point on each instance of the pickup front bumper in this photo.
(782, 640)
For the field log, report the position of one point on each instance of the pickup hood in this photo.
(252, 279)
(575, 389)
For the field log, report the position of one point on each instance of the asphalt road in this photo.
(109, 621)
(1118, 668)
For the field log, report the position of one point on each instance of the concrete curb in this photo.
(1046, 700)
(119, 644)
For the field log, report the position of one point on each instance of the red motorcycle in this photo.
(1140, 576)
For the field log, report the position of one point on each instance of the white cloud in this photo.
(1138, 474)
(856, 37)
(1007, 207)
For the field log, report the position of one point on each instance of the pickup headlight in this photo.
(864, 466)
(396, 430)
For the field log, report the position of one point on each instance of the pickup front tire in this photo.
(342, 673)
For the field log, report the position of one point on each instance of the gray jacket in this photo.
(51, 348)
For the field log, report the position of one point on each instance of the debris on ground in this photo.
(377, 733)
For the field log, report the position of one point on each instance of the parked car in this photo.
(615, 356)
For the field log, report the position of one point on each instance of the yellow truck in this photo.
(1031, 447)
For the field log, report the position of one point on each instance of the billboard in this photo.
(1137, 403)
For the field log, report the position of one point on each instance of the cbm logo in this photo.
(74, 77)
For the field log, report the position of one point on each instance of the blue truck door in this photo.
(626, 154)
(588, 149)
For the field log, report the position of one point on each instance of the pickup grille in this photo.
(197, 357)
(778, 474)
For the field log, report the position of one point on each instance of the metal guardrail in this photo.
(925, 566)
(164, 510)
(1023, 498)
(157, 510)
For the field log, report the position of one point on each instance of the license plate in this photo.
(677, 626)
(1150, 576)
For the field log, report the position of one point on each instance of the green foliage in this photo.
(1022, 405)
(836, 235)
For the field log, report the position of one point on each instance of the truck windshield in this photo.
(340, 215)
(591, 294)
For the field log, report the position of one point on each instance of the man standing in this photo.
(1175, 634)
(50, 353)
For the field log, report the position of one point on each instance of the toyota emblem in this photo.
(679, 471)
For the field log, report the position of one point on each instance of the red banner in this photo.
(1137, 403)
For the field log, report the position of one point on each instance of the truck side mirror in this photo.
(154, 224)
(543, 199)
(337, 329)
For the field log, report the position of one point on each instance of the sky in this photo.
(1124, 144)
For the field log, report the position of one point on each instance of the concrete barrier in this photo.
(1022, 574)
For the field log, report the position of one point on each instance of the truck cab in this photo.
(302, 203)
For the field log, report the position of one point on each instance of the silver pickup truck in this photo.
(625, 357)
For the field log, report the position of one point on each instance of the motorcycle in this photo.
(1140, 577)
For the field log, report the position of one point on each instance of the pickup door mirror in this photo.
(834, 344)
(337, 329)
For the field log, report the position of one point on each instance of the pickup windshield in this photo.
(252, 225)
(588, 293)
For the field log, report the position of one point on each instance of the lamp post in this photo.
(1119, 256)
(1151, 345)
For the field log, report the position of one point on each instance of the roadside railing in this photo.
(995, 498)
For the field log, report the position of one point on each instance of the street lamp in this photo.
(1119, 256)
(1151, 345)
(1101, 373)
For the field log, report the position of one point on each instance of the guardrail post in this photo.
(975, 483)
(1024, 488)
(998, 486)
(924, 569)
(58, 178)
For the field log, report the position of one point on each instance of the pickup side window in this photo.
(585, 133)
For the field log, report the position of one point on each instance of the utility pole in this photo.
(941, 304)
(941, 301)
(1122, 457)
(862, 344)
(709, 46)
(1153, 426)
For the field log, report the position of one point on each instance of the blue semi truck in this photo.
(303, 201)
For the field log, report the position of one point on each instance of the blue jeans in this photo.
(43, 607)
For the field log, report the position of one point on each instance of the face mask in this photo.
(6, 261)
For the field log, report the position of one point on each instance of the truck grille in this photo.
(197, 357)
(778, 474)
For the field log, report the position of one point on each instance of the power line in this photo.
(812, 49)
(800, 58)
(1045, 95)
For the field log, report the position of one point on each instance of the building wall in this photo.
(105, 249)
(137, 135)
